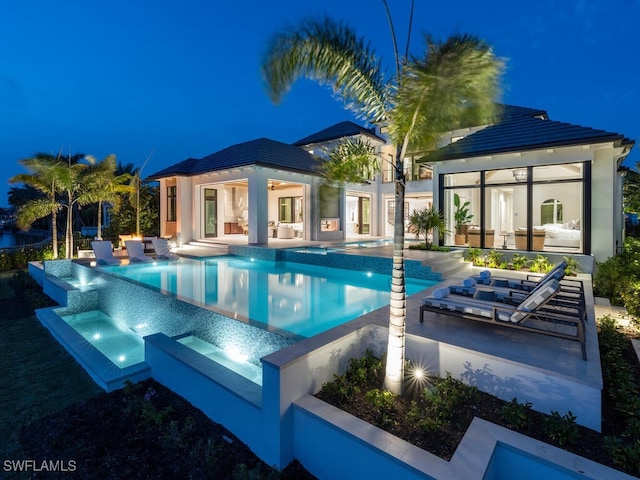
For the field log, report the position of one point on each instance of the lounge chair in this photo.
(529, 315)
(163, 251)
(103, 251)
(135, 251)
(486, 278)
(533, 280)
(570, 290)
(565, 302)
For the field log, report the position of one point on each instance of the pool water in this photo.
(232, 360)
(301, 299)
(116, 342)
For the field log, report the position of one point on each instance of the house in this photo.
(532, 184)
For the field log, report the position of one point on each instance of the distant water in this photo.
(10, 239)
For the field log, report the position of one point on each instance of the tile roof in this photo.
(262, 151)
(339, 130)
(519, 130)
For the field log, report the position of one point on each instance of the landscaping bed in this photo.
(435, 414)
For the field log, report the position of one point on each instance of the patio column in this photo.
(258, 208)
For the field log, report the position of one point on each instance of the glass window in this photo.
(459, 179)
(567, 171)
(509, 175)
(504, 218)
(290, 209)
(171, 204)
(459, 218)
(505, 213)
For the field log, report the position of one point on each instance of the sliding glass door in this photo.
(210, 212)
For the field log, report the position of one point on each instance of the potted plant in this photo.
(461, 217)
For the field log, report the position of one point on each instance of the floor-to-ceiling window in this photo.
(530, 208)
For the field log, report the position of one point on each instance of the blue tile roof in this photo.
(520, 130)
(339, 130)
(262, 151)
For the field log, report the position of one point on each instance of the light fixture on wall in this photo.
(273, 185)
(520, 175)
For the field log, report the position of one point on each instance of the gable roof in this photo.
(521, 129)
(339, 130)
(261, 151)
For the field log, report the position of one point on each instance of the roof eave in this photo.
(538, 146)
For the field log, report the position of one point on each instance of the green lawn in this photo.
(50, 409)
(37, 376)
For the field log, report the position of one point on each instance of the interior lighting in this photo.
(520, 175)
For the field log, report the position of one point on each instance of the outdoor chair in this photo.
(529, 315)
(163, 250)
(566, 302)
(532, 280)
(103, 251)
(135, 251)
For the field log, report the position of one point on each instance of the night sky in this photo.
(182, 79)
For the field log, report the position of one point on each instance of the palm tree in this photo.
(428, 219)
(74, 188)
(427, 96)
(105, 186)
(44, 173)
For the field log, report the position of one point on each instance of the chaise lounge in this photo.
(529, 315)
(135, 251)
(103, 251)
(162, 249)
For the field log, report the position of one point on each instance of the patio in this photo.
(548, 372)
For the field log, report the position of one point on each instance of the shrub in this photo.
(516, 415)
(562, 429)
(519, 261)
(474, 255)
(573, 266)
(494, 259)
(540, 264)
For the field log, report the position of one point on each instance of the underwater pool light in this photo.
(122, 358)
(234, 354)
(96, 336)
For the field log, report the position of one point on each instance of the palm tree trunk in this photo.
(99, 232)
(394, 372)
(54, 232)
(69, 234)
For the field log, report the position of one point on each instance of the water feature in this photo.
(299, 299)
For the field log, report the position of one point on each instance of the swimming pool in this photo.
(300, 299)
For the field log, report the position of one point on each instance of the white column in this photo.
(258, 212)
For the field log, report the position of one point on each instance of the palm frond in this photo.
(330, 53)
(35, 210)
(454, 83)
(351, 161)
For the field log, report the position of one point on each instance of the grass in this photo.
(38, 376)
(50, 409)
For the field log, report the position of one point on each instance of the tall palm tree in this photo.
(74, 188)
(104, 185)
(427, 96)
(44, 172)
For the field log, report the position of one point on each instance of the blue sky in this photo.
(182, 79)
